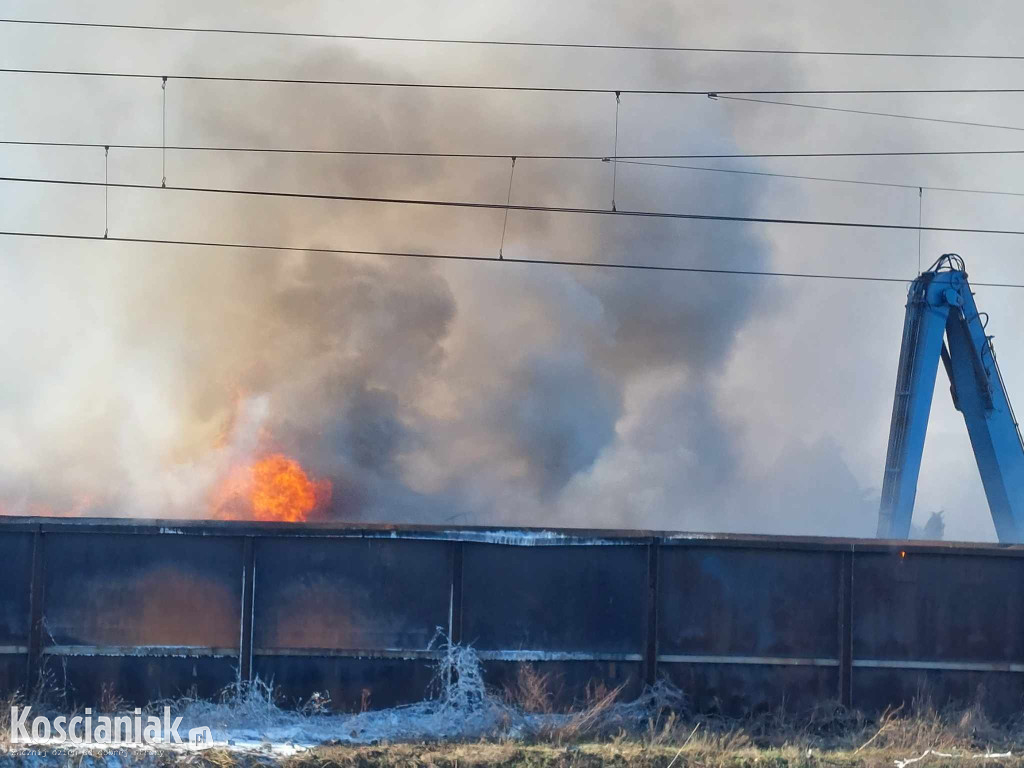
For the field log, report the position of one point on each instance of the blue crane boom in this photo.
(940, 303)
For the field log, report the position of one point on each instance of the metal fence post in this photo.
(650, 666)
(248, 596)
(846, 629)
(36, 597)
(455, 604)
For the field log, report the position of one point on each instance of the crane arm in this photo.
(940, 302)
(923, 328)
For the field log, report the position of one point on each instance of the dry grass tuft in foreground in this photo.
(627, 754)
(465, 724)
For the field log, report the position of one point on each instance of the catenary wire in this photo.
(471, 258)
(871, 113)
(720, 93)
(512, 43)
(867, 182)
(510, 155)
(520, 207)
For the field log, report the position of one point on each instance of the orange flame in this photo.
(275, 488)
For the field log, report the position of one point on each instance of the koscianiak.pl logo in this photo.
(102, 729)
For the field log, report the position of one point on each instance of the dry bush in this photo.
(593, 719)
(826, 725)
(242, 703)
(110, 701)
(657, 711)
(830, 727)
(45, 695)
(949, 729)
(723, 736)
(16, 699)
(600, 715)
(531, 691)
(46, 692)
(663, 732)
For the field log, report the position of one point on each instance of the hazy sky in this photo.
(133, 375)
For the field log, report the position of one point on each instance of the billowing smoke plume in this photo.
(425, 391)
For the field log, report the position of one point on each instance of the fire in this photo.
(275, 487)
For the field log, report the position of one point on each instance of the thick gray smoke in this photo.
(479, 392)
(424, 391)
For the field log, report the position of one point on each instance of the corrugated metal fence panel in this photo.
(15, 578)
(352, 617)
(142, 590)
(147, 615)
(141, 610)
(742, 629)
(938, 625)
(574, 613)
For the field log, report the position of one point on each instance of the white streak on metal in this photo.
(761, 660)
(526, 538)
(406, 654)
(952, 666)
(179, 651)
(535, 655)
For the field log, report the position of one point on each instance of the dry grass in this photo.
(14, 700)
(471, 726)
(532, 692)
(621, 754)
(828, 737)
(46, 694)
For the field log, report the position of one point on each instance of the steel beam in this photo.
(650, 671)
(37, 595)
(248, 597)
(846, 629)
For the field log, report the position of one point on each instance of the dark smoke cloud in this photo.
(425, 391)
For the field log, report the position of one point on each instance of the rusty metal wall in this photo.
(946, 624)
(148, 616)
(575, 613)
(15, 607)
(738, 627)
(143, 610)
(351, 616)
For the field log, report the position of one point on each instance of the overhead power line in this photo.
(514, 43)
(638, 160)
(507, 260)
(517, 207)
(508, 155)
(518, 88)
(869, 112)
(821, 178)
